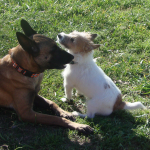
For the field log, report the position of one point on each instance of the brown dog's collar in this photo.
(24, 71)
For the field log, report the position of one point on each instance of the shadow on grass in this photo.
(15, 134)
(116, 131)
(120, 130)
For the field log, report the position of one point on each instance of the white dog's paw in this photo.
(75, 113)
(64, 99)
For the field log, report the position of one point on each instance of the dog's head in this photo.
(78, 42)
(43, 50)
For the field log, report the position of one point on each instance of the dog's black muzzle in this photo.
(60, 59)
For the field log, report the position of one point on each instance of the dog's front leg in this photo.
(68, 93)
(47, 104)
(34, 117)
(25, 113)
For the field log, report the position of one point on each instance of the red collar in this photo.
(24, 71)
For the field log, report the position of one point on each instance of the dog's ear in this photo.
(27, 44)
(93, 36)
(27, 28)
(90, 47)
(95, 46)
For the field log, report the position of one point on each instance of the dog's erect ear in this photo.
(27, 44)
(95, 46)
(93, 36)
(27, 28)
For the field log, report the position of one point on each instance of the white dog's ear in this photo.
(90, 47)
(93, 36)
(95, 46)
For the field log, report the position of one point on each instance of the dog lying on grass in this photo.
(21, 76)
(103, 95)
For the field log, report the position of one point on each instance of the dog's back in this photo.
(90, 79)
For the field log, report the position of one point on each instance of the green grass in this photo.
(123, 29)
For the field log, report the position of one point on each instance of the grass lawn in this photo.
(123, 28)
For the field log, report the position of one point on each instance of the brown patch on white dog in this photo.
(119, 104)
(106, 86)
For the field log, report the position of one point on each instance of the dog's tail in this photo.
(127, 105)
(135, 105)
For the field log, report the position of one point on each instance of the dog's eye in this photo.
(72, 39)
(45, 57)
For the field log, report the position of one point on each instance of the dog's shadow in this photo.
(15, 133)
(120, 130)
(115, 131)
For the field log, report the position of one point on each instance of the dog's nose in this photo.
(59, 36)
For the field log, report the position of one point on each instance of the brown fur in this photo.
(106, 86)
(119, 104)
(21, 56)
(21, 92)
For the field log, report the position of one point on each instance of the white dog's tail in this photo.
(127, 105)
(135, 105)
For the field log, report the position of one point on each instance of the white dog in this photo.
(103, 96)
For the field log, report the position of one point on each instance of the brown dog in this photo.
(21, 75)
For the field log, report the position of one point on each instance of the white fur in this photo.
(135, 105)
(91, 81)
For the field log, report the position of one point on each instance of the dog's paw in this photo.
(66, 115)
(84, 129)
(75, 113)
(64, 99)
(69, 101)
